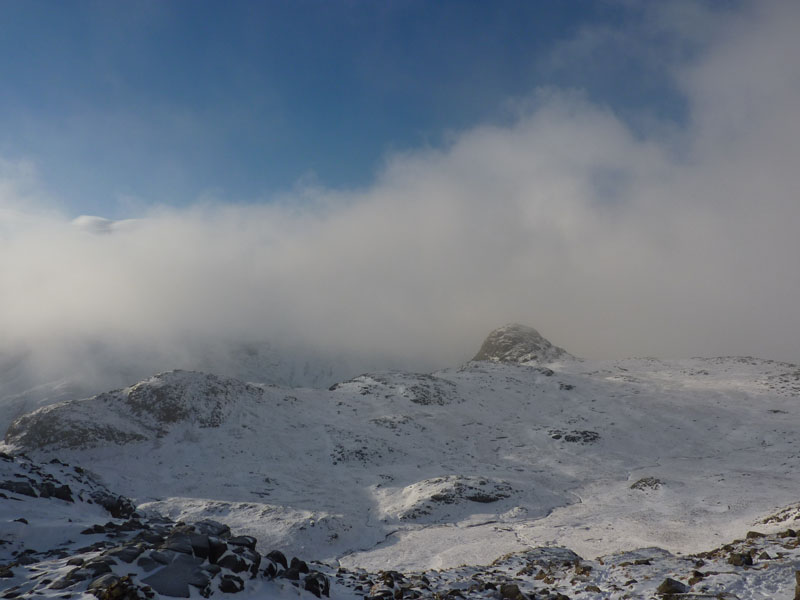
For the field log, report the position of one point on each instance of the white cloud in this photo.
(609, 242)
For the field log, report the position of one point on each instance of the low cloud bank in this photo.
(612, 243)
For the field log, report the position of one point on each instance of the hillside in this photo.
(406, 471)
(29, 381)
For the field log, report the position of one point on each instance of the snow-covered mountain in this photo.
(524, 447)
(29, 381)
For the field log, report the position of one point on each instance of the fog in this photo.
(673, 240)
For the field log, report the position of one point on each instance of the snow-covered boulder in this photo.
(442, 498)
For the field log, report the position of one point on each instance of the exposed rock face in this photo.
(144, 411)
(516, 343)
(430, 496)
(647, 483)
(419, 388)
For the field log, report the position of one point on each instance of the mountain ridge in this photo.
(143, 411)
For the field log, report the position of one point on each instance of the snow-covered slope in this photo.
(56, 548)
(145, 411)
(44, 505)
(29, 381)
(64, 535)
(395, 470)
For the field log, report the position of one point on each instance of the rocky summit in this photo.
(516, 343)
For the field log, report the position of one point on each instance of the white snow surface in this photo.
(378, 471)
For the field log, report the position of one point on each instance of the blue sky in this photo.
(123, 105)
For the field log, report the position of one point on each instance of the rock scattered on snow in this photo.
(53, 497)
(647, 483)
(419, 388)
(575, 436)
(150, 556)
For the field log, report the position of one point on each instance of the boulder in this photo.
(209, 527)
(247, 541)
(200, 544)
(104, 581)
(178, 543)
(278, 557)
(111, 587)
(740, 559)
(175, 578)
(231, 584)
(118, 506)
(216, 548)
(672, 586)
(127, 553)
(511, 591)
(316, 583)
(147, 564)
(235, 563)
(298, 564)
(62, 492)
(19, 487)
(797, 585)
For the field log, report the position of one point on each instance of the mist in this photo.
(677, 240)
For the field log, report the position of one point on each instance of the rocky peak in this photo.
(176, 396)
(516, 343)
(147, 410)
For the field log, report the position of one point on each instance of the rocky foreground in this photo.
(104, 548)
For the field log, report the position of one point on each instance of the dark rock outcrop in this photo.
(174, 561)
(516, 343)
(432, 494)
